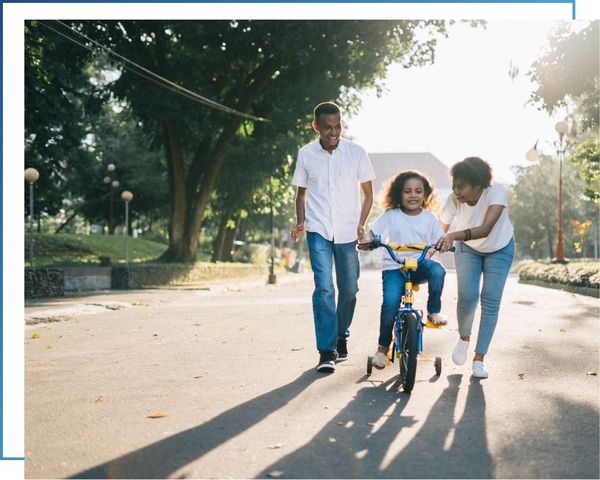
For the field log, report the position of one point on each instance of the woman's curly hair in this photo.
(392, 194)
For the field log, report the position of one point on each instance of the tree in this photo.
(59, 104)
(533, 203)
(273, 69)
(568, 73)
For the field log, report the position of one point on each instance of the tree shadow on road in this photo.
(357, 442)
(163, 458)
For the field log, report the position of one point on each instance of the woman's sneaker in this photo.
(479, 370)
(459, 355)
(380, 359)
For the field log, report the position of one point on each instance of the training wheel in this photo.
(438, 366)
(369, 365)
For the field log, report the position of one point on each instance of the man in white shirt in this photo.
(330, 173)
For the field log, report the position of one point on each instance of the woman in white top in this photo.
(484, 248)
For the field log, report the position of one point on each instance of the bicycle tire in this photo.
(408, 352)
(369, 365)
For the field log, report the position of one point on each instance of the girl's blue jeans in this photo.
(333, 322)
(393, 289)
(471, 267)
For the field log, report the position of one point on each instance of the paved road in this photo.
(234, 372)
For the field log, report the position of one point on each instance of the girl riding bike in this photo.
(406, 220)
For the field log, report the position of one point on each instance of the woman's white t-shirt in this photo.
(395, 226)
(466, 216)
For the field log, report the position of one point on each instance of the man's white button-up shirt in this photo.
(333, 182)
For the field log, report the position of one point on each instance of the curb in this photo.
(587, 291)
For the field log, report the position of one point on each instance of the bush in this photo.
(582, 274)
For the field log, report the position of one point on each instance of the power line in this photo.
(152, 76)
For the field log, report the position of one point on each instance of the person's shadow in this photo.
(163, 458)
(355, 443)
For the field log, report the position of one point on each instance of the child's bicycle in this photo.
(408, 324)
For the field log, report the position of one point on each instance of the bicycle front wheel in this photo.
(408, 352)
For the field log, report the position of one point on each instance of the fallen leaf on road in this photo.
(99, 399)
(332, 440)
(198, 376)
(592, 373)
(340, 423)
(157, 415)
(297, 349)
(275, 474)
(521, 375)
(36, 336)
(563, 330)
(242, 328)
(276, 445)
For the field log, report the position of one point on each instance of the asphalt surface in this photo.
(231, 373)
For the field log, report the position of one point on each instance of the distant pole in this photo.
(272, 277)
(31, 176)
(127, 197)
(561, 128)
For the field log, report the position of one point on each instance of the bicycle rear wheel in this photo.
(408, 352)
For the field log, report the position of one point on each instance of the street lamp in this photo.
(272, 280)
(533, 154)
(110, 178)
(561, 128)
(127, 197)
(31, 176)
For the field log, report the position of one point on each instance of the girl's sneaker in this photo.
(437, 318)
(380, 359)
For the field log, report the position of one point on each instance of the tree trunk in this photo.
(228, 242)
(178, 250)
(217, 254)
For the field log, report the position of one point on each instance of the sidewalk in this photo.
(47, 310)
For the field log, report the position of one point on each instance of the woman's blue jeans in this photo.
(393, 288)
(333, 322)
(471, 266)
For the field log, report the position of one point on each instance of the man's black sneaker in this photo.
(342, 349)
(327, 362)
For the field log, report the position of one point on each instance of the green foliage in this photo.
(569, 69)
(533, 207)
(587, 159)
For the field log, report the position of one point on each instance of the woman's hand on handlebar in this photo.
(445, 243)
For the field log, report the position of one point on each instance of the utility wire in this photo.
(150, 75)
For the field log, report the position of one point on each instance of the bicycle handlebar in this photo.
(408, 247)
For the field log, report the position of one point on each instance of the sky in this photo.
(465, 104)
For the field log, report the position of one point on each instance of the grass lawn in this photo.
(66, 249)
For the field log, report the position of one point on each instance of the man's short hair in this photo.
(326, 108)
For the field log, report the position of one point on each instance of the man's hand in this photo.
(297, 232)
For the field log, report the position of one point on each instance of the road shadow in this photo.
(356, 443)
(163, 458)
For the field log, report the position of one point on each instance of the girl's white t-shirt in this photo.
(466, 216)
(395, 226)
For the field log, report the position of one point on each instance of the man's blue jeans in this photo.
(393, 281)
(471, 265)
(332, 323)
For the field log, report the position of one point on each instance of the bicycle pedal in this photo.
(430, 324)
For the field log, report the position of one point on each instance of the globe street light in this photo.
(31, 176)
(533, 153)
(561, 128)
(127, 197)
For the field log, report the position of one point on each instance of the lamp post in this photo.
(127, 197)
(110, 178)
(561, 128)
(31, 176)
(272, 277)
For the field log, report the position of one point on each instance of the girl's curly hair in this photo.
(392, 194)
